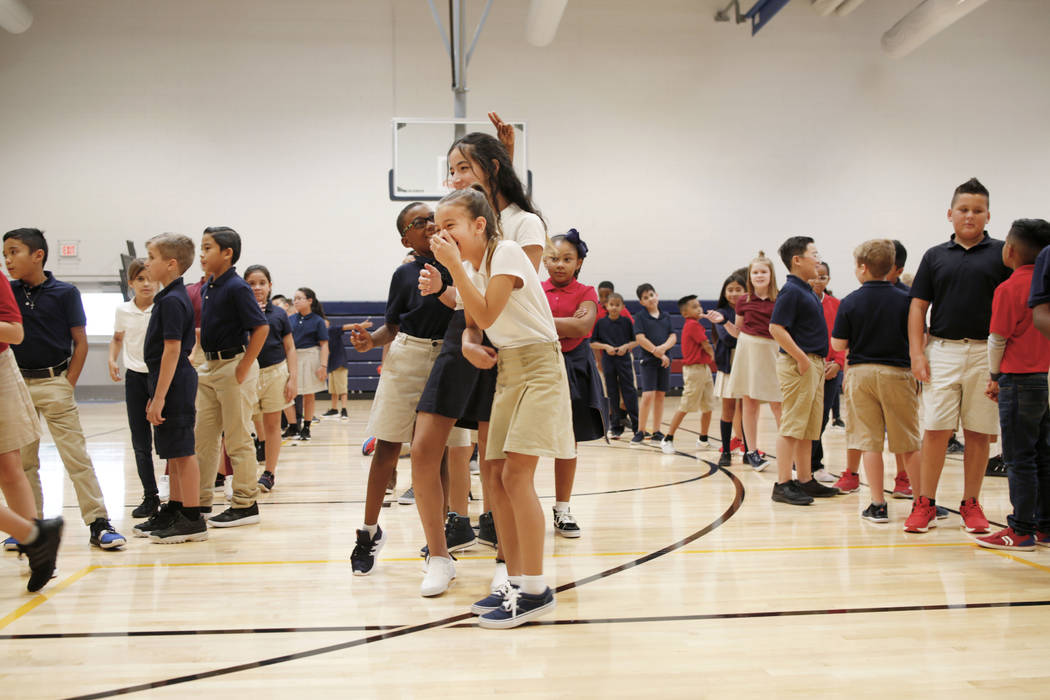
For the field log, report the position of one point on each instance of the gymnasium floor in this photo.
(688, 582)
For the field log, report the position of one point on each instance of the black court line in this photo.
(189, 633)
(402, 631)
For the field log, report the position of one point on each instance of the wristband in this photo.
(995, 376)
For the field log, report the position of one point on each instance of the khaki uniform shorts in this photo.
(883, 403)
(337, 381)
(21, 426)
(958, 376)
(272, 381)
(803, 403)
(531, 412)
(405, 371)
(699, 391)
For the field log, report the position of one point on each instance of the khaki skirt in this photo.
(754, 370)
(18, 417)
(309, 363)
(531, 411)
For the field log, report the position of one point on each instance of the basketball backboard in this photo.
(420, 167)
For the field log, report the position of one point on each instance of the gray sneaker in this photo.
(407, 498)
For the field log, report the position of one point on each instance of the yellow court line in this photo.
(1020, 560)
(41, 598)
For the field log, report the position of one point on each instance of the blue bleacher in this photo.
(363, 374)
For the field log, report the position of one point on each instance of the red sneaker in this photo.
(848, 482)
(1009, 540)
(902, 486)
(1042, 538)
(973, 516)
(736, 444)
(923, 516)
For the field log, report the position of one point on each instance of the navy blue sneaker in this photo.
(657, 437)
(493, 601)
(10, 545)
(639, 438)
(517, 609)
(363, 558)
(104, 536)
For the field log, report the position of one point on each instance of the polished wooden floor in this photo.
(688, 582)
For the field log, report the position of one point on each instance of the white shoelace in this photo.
(564, 516)
(510, 601)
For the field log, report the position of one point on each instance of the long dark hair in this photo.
(315, 305)
(738, 276)
(489, 154)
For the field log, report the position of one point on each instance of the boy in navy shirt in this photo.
(652, 331)
(880, 392)
(172, 384)
(1018, 358)
(798, 326)
(51, 357)
(228, 380)
(614, 339)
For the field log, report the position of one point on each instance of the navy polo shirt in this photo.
(229, 312)
(414, 314)
(656, 330)
(798, 309)
(874, 319)
(901, 286)
(49, 311)
(1039, 293)
(336, 349)
(309, 331)
(614, 333)
(171, 319)
(272, 352)
(726, 342)
(959, 283)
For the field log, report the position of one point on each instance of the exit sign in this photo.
(68, 249)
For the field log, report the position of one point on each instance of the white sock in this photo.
(372, 529)
(33, 534)
(561, 506)
(515, 581)
(533, 585)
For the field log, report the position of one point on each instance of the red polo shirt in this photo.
(1027, 351)
(693, 337)
(564, 301)
(831, 307)
(9, 311)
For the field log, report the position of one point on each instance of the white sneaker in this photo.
(824, 476)
(667, 446)
(163, 488)
(227, 488)
(440, 572)
(499, 577)
(703, 444)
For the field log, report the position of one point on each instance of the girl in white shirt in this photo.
(531, 415)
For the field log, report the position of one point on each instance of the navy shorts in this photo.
(174, 437)
(655, 377)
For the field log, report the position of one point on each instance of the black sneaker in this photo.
(330, 412)
(43, 553)
(343, 415)
(146, 509)
(725, 459)
(876, 513)
(657, 437)
(616, 432)
(942, 513)
(757, 461)
(363, 558)
(304, 434)
(996, 466)
(955, 447)
(260, 451)
(816, 489)
(266, 481)
(220, 481)
(639, 438)
(160, 520)
(458, 532)
(837, 423)
(104, 536)
(182, 530)
(487, 529)
(790, 493)
(565, 524)
(290, 432)
(235, 517)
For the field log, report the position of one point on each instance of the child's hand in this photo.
(665, 361)
(361, 340)
(580, 313)
(291, 389)
(920, 368)
(241, 373)
(803, 365)
(831, 370)
(504, 132)
(622, 350)
(610, 350)
(445, 250)
(114, 371)
(154, 409)
(714, 317)
(992, 390)
(481, 356)
(322, 373)
(429, 280)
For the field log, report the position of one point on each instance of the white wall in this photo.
(678, 146)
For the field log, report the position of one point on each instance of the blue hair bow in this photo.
(573, 236)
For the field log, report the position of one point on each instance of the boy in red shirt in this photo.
(697, 356)
(1018, 359)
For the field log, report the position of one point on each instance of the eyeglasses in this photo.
(418, 222)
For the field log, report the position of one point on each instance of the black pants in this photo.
(832, 389)
(136, 395)
(619, 381)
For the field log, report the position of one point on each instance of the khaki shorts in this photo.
(461, 437)
(803, 403)
(272, 381)
(405, 371)
(699, 391)
(337, 381)
(958, 376)
(883, 403)
(21, 426)
(531, 412)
